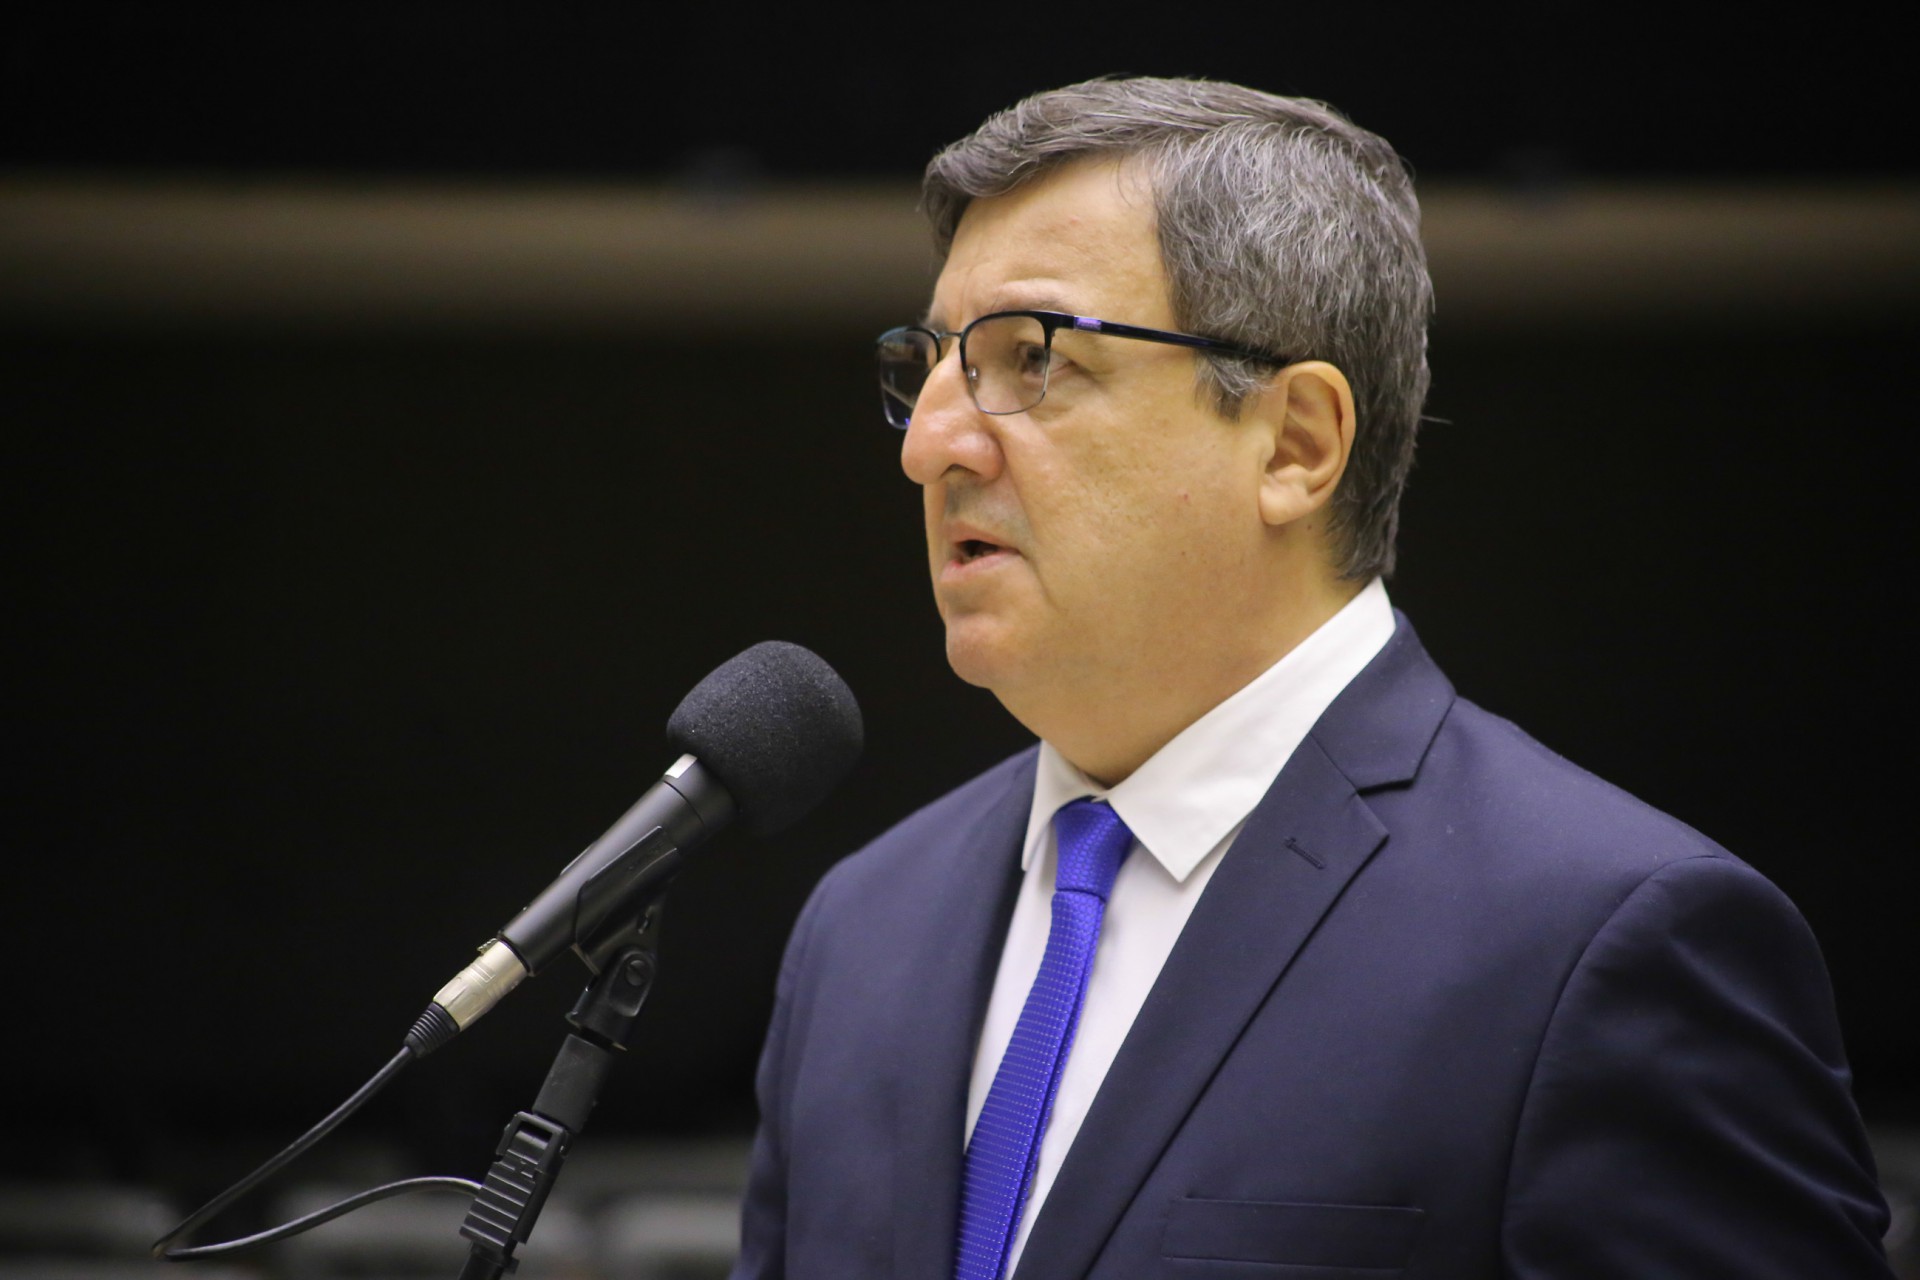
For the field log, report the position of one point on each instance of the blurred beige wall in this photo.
(120, 251)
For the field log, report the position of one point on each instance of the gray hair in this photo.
(1283, 227)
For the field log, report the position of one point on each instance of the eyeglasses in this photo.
(1007, 356)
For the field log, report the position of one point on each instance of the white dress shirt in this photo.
(1184, 806)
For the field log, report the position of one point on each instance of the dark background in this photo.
(335, 645)
(645, 90)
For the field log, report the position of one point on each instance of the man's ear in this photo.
(1308, 414)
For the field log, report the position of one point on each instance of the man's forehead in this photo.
(1076, 240)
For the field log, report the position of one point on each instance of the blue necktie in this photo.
(1092, 842)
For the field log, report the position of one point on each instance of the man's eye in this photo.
(1032, 360)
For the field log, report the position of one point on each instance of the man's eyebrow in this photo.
(1038, 302)
(1018, 301)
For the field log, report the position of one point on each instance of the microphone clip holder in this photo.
(535, 1144)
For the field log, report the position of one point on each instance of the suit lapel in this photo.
(1309, 836)
(945, 986)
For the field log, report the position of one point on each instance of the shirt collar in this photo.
(1195, 790)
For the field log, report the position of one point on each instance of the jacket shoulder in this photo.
(1549, 818)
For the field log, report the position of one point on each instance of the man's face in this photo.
(1081, 546)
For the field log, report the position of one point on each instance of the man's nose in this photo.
(947, 430)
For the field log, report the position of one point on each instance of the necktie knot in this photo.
(1092, 842)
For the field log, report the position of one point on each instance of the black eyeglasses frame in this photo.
(1050, 323)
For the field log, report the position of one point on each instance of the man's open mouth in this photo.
(973, 548)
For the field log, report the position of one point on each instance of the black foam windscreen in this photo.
(777, 726)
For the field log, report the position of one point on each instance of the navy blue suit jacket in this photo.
(1450, 1007)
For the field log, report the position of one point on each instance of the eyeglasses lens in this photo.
(1008, 358)
(905, 358)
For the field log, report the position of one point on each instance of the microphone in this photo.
(763, 739)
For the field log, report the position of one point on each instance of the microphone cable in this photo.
(293, 1151)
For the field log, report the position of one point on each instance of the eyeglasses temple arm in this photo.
(1089, 325)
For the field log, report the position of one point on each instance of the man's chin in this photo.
(981, 652)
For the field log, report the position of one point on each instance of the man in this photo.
(1274, 957)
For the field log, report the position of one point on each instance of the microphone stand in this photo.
(527, 1161)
